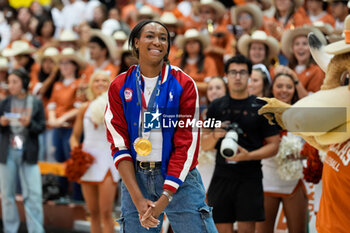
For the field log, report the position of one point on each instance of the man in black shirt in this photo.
(236, 191)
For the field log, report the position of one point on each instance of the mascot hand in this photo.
(273, 110)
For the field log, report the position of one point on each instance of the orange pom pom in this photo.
(313, 171)
(78, 163)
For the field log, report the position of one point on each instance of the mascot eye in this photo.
(344, 78)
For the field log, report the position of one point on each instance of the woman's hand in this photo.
(24, 120)
(286, 70)
(58, 122)
(146, 220)
(4, 121)
(145, 207)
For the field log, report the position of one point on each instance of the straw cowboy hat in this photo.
(342, 46)
(4, 64)
(68, 35)
(334, 38)
(192, 34)
(266, 4)
(258, 36)
(120, 35)
(289, 36)
(216, 5)
(70, 54)
(169, 18)
(325, 28)
(18, 47)
(50, 52)
(146, 11)
(107, 40)
(251, 9)
(124, 49)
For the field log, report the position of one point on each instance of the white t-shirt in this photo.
(155, 137)
(314, 18)
(73, 14)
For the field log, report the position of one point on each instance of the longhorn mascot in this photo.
(323, 120)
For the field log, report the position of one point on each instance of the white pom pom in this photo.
(289, 168)
(98, 107)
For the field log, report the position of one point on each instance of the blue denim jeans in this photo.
(187, 212)
(60, 139)
(30, 179)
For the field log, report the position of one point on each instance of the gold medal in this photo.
(142, 146)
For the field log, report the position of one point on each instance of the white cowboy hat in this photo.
(120, 35)
(18, 47)
(70, 54)
(4, 64)
(107, 40)
(262, 37)
(50, 52)
(192, 34)
(325, 28)
(169, 18)
(334, 38)
(251, 9)
(68, 35)
(146, 11)
(126, 48)
(216, 5)
(289, 36)
(342, 46)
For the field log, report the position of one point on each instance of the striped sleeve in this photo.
(186, 139)
(117, 130)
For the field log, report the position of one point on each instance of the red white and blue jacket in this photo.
(178, 97)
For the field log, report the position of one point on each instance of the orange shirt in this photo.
(239, 2)
(34, 76)
(89, 70)
(174, 54)
(129, 13)
(327, 18)
(176, 12)
(222, 38)
(333, 215)
(312, 78)
(209, 69)
(298, 19)
(64, 97)
(191, 22)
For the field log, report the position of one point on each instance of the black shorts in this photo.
(236, 200)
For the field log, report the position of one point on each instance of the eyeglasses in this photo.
(242, 73)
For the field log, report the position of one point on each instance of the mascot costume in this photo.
(323, 120)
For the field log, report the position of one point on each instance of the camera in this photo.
(229, 144)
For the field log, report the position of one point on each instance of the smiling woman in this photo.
(151, 47)
(157, 166)
(296, 48)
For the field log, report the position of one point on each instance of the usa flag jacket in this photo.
(178, 103)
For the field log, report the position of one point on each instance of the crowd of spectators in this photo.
(60, 46)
